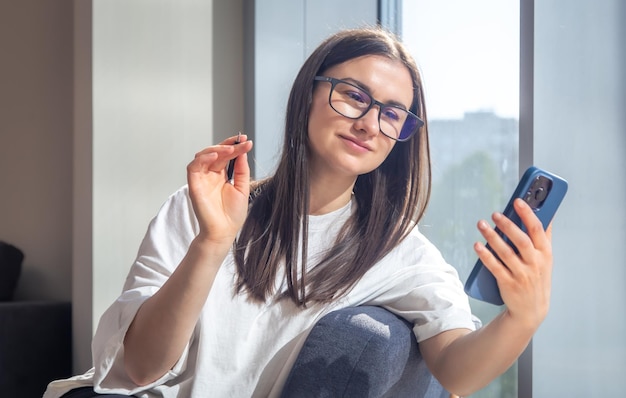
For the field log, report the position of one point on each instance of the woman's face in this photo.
(346, 148)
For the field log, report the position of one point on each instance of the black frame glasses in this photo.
(353, 102)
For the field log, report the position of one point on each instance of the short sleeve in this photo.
(165, 244)
(417, 284)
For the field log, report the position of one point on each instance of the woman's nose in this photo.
(368, 123)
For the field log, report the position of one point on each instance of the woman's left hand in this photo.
(466, 361)
(524, 278)
(220, 207)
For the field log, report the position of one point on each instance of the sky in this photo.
(468, 52)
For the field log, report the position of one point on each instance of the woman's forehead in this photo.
(384, 78)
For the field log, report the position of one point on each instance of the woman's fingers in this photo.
(521, 262)
(241, 170)
(526, 242)
(534, 227)
(490, 259)
(219, 206)
(216, 158)
(229, 142)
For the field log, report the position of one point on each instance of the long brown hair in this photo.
(390, 199)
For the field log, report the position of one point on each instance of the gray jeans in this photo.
(361, 352)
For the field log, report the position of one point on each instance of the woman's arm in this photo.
(165, 322)
(464, 361)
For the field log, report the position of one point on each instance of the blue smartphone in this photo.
(544, 192)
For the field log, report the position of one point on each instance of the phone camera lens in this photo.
(540, 194)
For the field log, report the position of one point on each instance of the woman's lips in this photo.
(356, 143)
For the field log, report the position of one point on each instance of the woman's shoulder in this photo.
(175, 216)
(177, 202)
(416, 239)
(416, 250)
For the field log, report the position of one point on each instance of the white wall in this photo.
(579, 103)
(152, 110)
(153, 68)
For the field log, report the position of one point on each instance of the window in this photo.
(468, 53)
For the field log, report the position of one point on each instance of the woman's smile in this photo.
(356, 145)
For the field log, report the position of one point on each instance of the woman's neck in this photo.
(326, 197)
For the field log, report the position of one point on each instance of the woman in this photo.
(229, 280)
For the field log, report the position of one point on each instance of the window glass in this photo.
(468, 53)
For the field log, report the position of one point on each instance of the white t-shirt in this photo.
(245, 349)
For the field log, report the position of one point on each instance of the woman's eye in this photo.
(391, 114)
(357, 96)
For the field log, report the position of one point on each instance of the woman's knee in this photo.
(385, 341)
(361, 351)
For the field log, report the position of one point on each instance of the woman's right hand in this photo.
(219, 205)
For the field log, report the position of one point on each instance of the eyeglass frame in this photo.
(334, 81)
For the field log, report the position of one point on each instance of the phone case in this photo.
(544, 192)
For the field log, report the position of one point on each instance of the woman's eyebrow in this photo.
(367, 88)
(357, 83)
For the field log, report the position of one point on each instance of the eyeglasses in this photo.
(353, 102)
